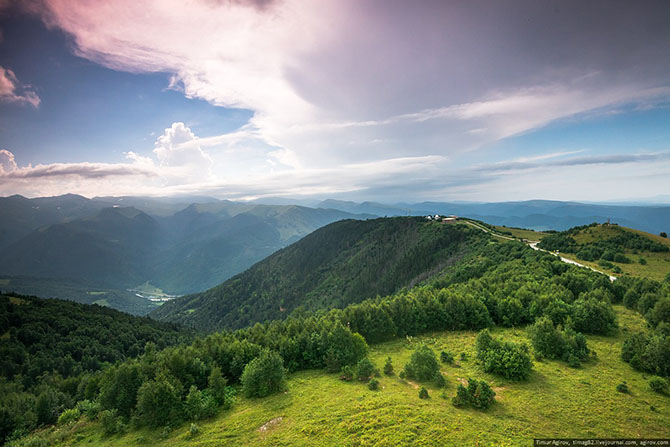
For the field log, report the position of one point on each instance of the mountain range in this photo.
(109, 250)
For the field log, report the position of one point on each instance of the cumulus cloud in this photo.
(13, 91)
(7, 162)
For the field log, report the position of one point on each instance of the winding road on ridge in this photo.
(533, 245)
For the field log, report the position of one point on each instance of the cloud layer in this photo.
(370, 97)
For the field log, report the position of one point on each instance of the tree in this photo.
(423, 393)
(663, 234)
(422, 365)
(264, 375)
(388, 367)
(365, 369)
(158, 403)
(199, 404)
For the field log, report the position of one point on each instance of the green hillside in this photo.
(320, 409)
(618, 250)
(53, 349)
(562, 358)
(339, 264)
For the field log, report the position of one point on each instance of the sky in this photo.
(384, 100)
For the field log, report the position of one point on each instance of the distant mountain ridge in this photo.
(72, 244)
(69, 241)
(534, 214)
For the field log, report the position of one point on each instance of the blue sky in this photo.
(364, 101)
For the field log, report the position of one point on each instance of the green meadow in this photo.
(319, 409)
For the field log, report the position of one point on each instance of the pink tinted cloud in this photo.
(11, 89)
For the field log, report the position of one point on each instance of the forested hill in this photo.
(50, 335)
(342, 263)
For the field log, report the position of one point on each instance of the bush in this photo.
(422, 365)
(111, 422)
(663, 234)
(264, 375)
(365, 369)
(440, 381)
(446, 357)
(623, 388)
(659, 385)
(373, 384)
(88, 408)
(68, 416)
(388, 367)
(464, 357)
(217, 387)
(552, 343)
(423, 393)
(592, 316)
(642, 261)
(194, 429)
(348, 373)
(510, 360)
(461, 398)
(478, 394)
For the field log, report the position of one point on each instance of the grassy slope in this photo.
(658, 264)
(319, 409)
(521, 233)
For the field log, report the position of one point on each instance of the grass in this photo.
(102, 302)
(657, 266)
(521, 233)
(319, 409)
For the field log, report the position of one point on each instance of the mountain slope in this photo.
(344, 262)
(616, 249)
(110, 249)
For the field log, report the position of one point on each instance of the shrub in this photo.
(552, 343)
(423, 393)
(373, 384)
(663, 234)
(478, 394)
(348, 373)
(402, 375)
(264, 375)
(440, 381)
(623, 387)
(68, 416)
(510, 360)
(88, 408)
(194, 429)
(643, 261)
(446, 357)
(461, 398)
(388, 367)
(422, 365)
(464, 357)
(659, 385)
(365, 369)
(111, 422)
(592, 316)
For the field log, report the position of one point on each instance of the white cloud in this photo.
(12, 91)
(7, 162)
(346, 92)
